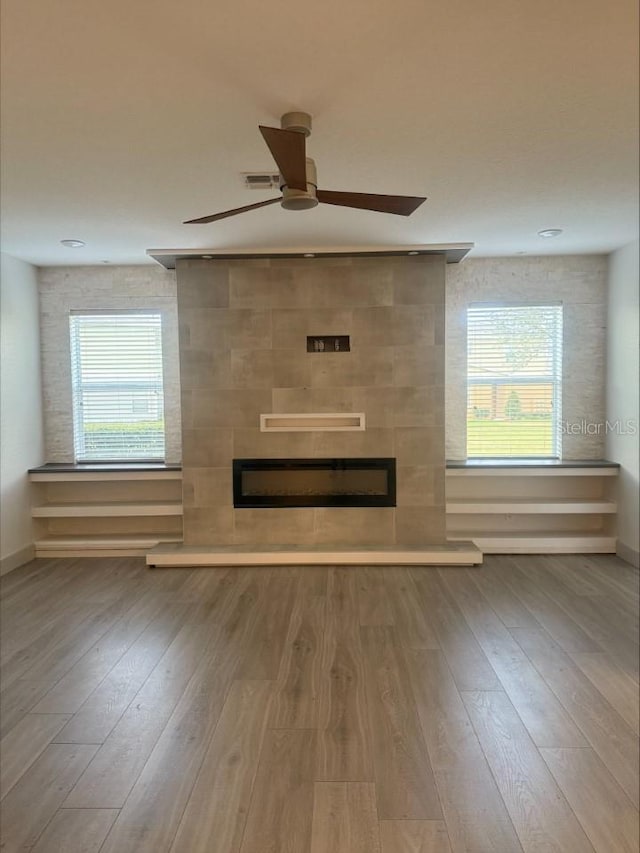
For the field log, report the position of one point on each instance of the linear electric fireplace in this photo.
(314, 482)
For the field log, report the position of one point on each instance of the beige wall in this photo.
(580, 283)
(63, 289)
(243, 328)
(21, 445)
(623, 381)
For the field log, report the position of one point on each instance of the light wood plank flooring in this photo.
(320, 710)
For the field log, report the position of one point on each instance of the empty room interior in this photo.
(319, 427)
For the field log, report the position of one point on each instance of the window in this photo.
(116, 372)
(514, 374)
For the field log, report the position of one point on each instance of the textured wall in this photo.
(243, 328)
(21, 427)
(580, 283)
(63, 289)
(622, 394)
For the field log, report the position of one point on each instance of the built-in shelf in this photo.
(105, 510)
(526, 506)
(539, 543)
(114, 509)
(313, 422)
(101, 546)
(529, 507)
(515, 508)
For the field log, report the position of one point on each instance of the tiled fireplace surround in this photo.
(243, 327)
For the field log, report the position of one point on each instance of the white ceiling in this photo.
(122, 118)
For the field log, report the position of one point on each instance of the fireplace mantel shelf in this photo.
(452, 252)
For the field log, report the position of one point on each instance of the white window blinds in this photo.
(116, 370)
(514, 375)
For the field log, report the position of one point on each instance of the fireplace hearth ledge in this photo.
(451, 554)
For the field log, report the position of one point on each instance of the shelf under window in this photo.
(111, 509)
(523, 506)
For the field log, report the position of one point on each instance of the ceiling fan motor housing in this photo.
(301, 199)
(298, 121)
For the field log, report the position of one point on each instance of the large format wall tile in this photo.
(420, 485)
(290, 326)
(267, 288)
(206, 448)
(418, 406)
(373, 327)
(348, 287)
(206, 487)
(369, 443)
(420, 445)
(205, 368)
(417, 364)
(355, 525)
(208, 525)
(413, 325)
(290, 368)
(274, 526)
(234, 407)
(416, 525)
(208, 286)
(410, 288)
(251, 443)
(248, 356)
(251, 368)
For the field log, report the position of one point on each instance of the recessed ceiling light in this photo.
(73, 244)
(308, 255)
(207, 257)
(550, 232)
(413, 253)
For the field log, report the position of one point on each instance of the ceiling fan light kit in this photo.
(299, 181)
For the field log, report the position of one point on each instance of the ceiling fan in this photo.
(299, 182)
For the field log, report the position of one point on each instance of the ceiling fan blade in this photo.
(288, 148)
(215, 216)
(402, 205)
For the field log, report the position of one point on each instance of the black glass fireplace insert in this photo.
(314, 482)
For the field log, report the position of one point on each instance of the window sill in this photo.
(530, 463)
(103, 467)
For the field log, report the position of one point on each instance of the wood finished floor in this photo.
(320, 710)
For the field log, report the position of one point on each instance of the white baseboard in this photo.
(629, 555)
(17, 559)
